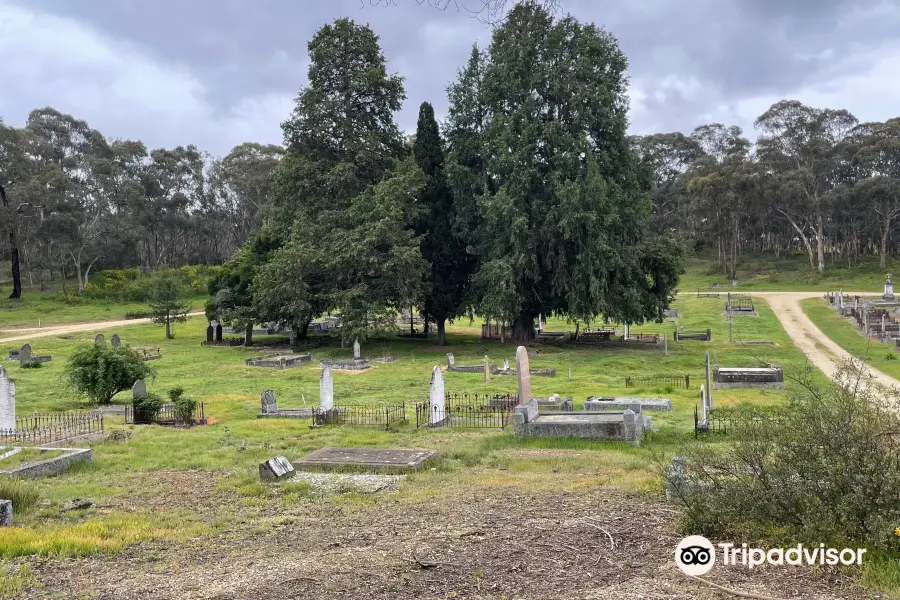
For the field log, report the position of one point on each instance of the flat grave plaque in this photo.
(366, 458)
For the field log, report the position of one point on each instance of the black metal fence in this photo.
(45, 428)
(167, 415)
(707, 293)
(674, 381)
(731, 419)
(468, 411)
(365, 415)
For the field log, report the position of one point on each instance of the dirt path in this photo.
(76, 328)
(821, 350)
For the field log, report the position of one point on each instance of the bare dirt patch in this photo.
(472, 544)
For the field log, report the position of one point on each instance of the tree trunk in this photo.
(885, 234)
(412, 329)
(441, 331)
(304, 328)
(168, 330)
(820, 242)
(13, 251)
(248, 334)
(523, 328)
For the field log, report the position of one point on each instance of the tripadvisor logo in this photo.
(695, 555)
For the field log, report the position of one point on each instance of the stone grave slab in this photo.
(366, 458)
(275, 469)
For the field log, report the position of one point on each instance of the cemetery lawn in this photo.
(792, 273)
(188, 517)
(843, 331)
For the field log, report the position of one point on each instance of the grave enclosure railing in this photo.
(701, 336)
(168, 415)
(675, 381)
(707, 293)
(469, 411)
(364, 415)
(723, 421)
(51, 427)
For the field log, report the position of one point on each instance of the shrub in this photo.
(826, 470)
(890, 356)
(24, 495)
(184, 406)
(137, 314)
(99, 372)
(33, 365)
(146, 408)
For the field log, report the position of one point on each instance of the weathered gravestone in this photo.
(210, 332)
(523, 374)
(506, 364)
(451, 360)
(326, 390)
(99, 339)
(356, 351)
(269, 404)
(709, 387)
(25, 355)
(115, 340)
(218, 332)
(275, 469)
(487, 369)
(7, 402)
(139, 389)
(438, 398)
(6, 513)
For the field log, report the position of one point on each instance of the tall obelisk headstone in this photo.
(438, 398)
(7, 402)
(326, 390)
(523, 374)
(709, 396)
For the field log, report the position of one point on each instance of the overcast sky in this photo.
(220, 72)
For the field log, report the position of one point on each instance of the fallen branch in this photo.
(426, 565)
(734, 592)
(612, 542)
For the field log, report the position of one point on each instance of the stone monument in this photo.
(888, 289)
(356, 350)
(218, 332)
(210, 332)
(437, 397)
(523, 375)
(25, 355)
(275, 469)
(139, 389)
(115, 340)
(269, 404)
(326, 390)
(99, 339)
(7, 402)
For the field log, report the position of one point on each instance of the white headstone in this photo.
(708, 384)
(276, 468)
(437, 399)
(888, 287)
(523, 375)
(356, 354)
(139, 389)
(505, 364)
(451, 360)
(326, 390)
(7, 401)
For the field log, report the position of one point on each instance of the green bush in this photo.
(825, 470)
(99, 371)
(132, 285)
(146, 408)
(33, 365)
(184, 406)
(138, 314)
(24, 495)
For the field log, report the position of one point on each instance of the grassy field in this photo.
(188, 490)
(843, 332)
(768, 273)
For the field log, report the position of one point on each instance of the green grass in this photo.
(844, 333)
(25, 455)
(24, 494)
(791, 273)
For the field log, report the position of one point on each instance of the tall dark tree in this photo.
(440, 246)
(565, 231)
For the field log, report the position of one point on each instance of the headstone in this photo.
(326, 390)
(25, 355)
(665, 346)
(708, 384)
(437, 397)
(210, 332)
(99, 339)
(7, 402)
(356, 354)
(505, 364)
(218, 332)
(888, 288)
(116, 341)
(269, 404)
(523, 374)
(704, 409)
(275, 469)
(487, 370)
(6, 514)
(139, 389)
(451, 361)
